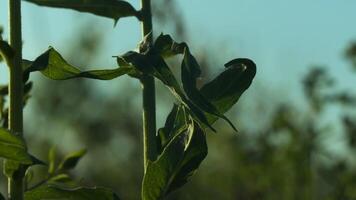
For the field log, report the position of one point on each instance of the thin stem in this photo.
(149, 96)
(16, 183)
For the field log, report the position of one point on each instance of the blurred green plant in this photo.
(171, 156)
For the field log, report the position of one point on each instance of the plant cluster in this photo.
(171, 155)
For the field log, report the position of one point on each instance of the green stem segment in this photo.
(16, 183)
(149, 98)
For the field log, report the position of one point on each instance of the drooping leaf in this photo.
(52, 65)
(13, 147)
(177, 162)
(190, 72)
(114, 9)
(71, 160)
(153, 64)
(225, 90)
(54, 193)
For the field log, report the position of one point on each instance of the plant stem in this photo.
(16, 186)
(149, 98)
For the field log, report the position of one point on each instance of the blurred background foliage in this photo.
(282, 151)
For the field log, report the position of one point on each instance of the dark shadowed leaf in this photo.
(54, 193)
(225, 90)
(114, 9)
(5, 50)
(167, 47)
(190, 72)
(52, 65)
(13, 147)
(153, 64)
(71, 160)
(177, 162)
(2, 197)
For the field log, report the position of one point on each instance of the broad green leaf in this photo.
(52, 65)
(225, 90)
(13, 147)
(71, 160)
(114, 9)
(54, 193)
(190, 72)
(154, 65)
(177, 162)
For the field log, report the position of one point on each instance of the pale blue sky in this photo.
(283, 37)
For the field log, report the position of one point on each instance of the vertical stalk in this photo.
(16, 186)
(149, 98)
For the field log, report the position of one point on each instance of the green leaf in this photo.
(225, 90)
(54, 193)
(13, 147)
(177, 162)
(113, 9)
(71, 160)
(52, 65)
(52, 160)
(190, 72)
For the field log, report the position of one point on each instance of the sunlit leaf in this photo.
(54, 193)
(71, 160)
(12, 147)
(177, 162)
(190, 72)
(52, 65)
(225, 90)
(114, 9)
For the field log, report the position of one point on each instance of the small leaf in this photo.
(190, 72)
(52, 160)
(52, 65)
(54, 193)
(167, 47)
(114, 9)
(225, 90)
(63, 181)
(178, 161)
(6, 51)
(13, 147)
(71, 160)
